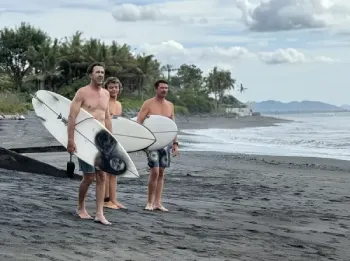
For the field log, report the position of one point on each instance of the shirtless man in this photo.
(95, 100)
(160, 159)
(114, 87)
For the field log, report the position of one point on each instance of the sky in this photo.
(286, 50)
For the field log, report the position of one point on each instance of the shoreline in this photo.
(207, 122)
(40, 137)
(42, 141)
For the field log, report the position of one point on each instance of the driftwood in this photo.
(14, 161)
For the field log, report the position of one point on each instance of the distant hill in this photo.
(346, 107)
(294, 106)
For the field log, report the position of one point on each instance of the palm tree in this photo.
(73, 57)
(169, 68)
(45, 63)
(218, 82)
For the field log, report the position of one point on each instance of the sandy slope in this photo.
(246, 208)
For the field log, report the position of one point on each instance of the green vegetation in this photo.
(13, 103)
(30, 60)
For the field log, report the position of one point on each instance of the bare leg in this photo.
(83, 189)
(107, 200)
(159, 190)
(107, 186)
(100, 193)
(152, 185)
(111, 192)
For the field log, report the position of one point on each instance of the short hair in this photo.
(156, 84)
(91, 67)
(110, 80)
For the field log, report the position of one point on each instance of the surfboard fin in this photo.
(70, 167)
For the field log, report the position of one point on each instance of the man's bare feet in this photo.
(161, 208)
(119, 205)
(149, 207)
(102, 220)
(111, 205)
(83, 214)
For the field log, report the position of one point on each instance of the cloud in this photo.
(40, 6)
(210, 13)
(131, 12)
(290, 56)
(175, 53)
(279, 15)
(175, 12)
(170, 51)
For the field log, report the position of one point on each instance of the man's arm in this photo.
(73, 112)
(172, 116)
(108, 117)
(143, 113)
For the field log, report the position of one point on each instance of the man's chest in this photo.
(161, 110)
(96, 102)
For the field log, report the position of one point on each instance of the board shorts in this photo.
(86, 168)
(159, 158)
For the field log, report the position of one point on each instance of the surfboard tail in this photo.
(112, 157)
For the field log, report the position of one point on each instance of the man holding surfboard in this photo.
(158, 160)
(113, 86)
(95, 100)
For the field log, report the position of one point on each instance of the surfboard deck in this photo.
(95, 144)
(163, 128)
(131, 135)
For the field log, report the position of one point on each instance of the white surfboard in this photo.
(90, 136)
(163, 128)
(132, 135)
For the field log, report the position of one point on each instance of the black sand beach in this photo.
(222, 207)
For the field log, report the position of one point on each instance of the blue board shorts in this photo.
(159, 158)
(86, 168)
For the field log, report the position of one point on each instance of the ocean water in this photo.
(325, 135)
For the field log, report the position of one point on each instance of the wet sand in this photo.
(222, 207)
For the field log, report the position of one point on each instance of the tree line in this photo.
(30, 60)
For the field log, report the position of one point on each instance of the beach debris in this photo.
(12, 117)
